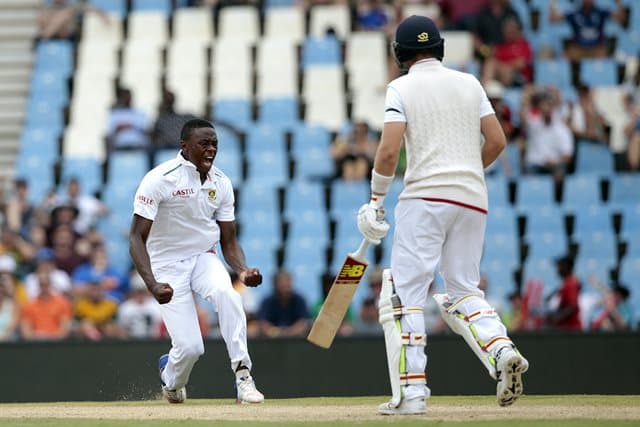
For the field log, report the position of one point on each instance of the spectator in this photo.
(566, 315)
(461, 14)
(488, 27)
(633, 150)
(346, 328)
(98, 272)
(89, 209)
(19, 209)
(127, 126)
(64, 241)
(45, 263)
(13, 244)
(367, 321)
(61, 18)
(371, 15)
(549, 143)
(511, 62)
(495, 93)
(166, 130)
(512, 318)
(284, 312)
(9, 306)
(139, 316)
(586, 121)
(47, 316)
(354, 154)
(616, 313)
(587, 24)
(96, 314)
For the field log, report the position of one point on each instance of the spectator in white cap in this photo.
(45, 261)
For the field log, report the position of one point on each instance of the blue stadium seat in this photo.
(129, 166)
(116, 223)
(39, 141)
(632, 238)
(260, 223)
(153, 5)
(309, 224)
(321, 51)
(499, 276)
(501, 219)
(513, 98)
(624, 188)
(88, 170)
(309, 136)
(55, 56)
(264, 138)
(534, 191)
(344, 245)
(556, 72)
(599, 72)
(545, 218)
(630, 272)
(236, 112)
(314, 163)
(497, 187)
(227, 139)
(630, 218)
(597, 244)
(522, 9)
(302, 195)
(581, 190)
(115, 7)
(230, 163)
(38, 171)
(279, 3)
(543, 41)
(347, 197)
(119, 196)
(51, 85)
(305, 251)
(501, 246)
(307, 282)
(594, 218)
(164, 155)
(594, 158)
(279, 112)
(546, 244)
(270, 167)
(44, 114)
(255, 195)
(587, 268)
(542, 269)
(118, 254)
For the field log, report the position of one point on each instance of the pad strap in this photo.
(492, 343)
(411, 338)
(402, 310)
(412, 378)
(487, 312)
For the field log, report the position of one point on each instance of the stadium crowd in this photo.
(57, 281)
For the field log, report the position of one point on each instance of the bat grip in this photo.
(362, 249)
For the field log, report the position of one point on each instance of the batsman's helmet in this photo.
(417, 34)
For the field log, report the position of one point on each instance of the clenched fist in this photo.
(162, 292)
(251, 277)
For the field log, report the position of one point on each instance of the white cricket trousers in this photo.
(206, 275)
(428, 233)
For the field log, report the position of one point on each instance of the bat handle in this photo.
(362, 249)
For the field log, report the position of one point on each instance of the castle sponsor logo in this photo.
(184, 193)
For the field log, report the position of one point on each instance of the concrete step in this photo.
(14, 88)
(18, 32)
(21, 4)
(15, 74)
(16, 116)
(10, 131)
(15, 59)
(12, 17)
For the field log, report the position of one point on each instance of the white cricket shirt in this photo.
(442, 109)
(184, 211)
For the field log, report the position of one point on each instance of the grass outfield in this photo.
(455, 411)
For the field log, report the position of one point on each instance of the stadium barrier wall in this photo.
(121, 370)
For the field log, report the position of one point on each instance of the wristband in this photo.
(379, 187)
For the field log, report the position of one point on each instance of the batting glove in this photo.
(371, 223)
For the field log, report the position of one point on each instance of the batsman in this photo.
(442, 116)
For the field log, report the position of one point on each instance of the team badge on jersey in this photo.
(212, 195)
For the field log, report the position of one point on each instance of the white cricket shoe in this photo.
(510, 365)
(246, 391)
(407, 407)
(175, 396)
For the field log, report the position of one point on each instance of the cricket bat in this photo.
(335, 306)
